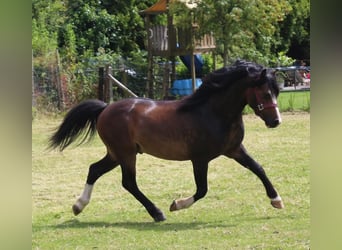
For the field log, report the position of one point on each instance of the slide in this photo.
(198, 63)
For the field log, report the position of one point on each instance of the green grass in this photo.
(294, 101)
(235, 214)
(289, 101)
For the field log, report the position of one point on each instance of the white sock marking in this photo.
(185, 202)
(84, 199)
(278, 198)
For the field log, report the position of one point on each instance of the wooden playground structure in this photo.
(170, 41)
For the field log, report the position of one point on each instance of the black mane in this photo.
(219, 80)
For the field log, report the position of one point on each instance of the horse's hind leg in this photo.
(130, 184)
(96, 170)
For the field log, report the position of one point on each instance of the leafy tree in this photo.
(242, 28)
(294, 32)
(46, 18)
(112, 25)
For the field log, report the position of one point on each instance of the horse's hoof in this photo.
(159, 217)
(76, 209)
(277, 204)
(173, 206)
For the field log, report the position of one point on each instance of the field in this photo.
(235, 214)
(294, 100)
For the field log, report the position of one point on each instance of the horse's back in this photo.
(145, 126)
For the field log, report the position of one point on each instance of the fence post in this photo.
(125, 81)
(60, 90)
(108, 86)
(166, 79)
(193, 72)
(101, 84)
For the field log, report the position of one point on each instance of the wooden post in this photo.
(122, 86)
(101, 84)
(193, 73)
(193, 45)
(108, 93)
(166, 79)
(150, 76)
(124, 80)
(149, 84)
(108, 85)
(59, 84)
(105, 86)
(173, 69)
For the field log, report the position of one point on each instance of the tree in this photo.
(294, 32)
(112, 25)
(46, 18)
(242, 28)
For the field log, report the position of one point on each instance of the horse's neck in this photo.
(228, 104)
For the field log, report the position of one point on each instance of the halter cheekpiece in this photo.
(260, 105)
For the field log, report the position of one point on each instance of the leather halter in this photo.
(260, 105)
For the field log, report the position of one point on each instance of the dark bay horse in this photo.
(198, 128)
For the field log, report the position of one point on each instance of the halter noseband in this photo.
(260, 105)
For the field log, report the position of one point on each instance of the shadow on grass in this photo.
(143, 226)
(160, 226)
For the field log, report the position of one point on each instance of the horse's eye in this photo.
(267, 96)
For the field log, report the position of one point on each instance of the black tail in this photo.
(78, 119)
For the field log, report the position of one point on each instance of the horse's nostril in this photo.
(276, 122)
(273, 124)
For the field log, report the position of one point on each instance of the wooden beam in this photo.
(120, 85)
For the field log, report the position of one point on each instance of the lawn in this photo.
(289, 101)
(294, 100)
(235, 214)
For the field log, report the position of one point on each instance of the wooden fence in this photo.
(106, 82)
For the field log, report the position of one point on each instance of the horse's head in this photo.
(262, 97)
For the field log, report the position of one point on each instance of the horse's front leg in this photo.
(242, 157)
(200, 169)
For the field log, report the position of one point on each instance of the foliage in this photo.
(46, 18)
(294, 30)
(182, 16)
(131, 71)
(268, 32)
(243, 29)
(43, 42)
(83, 77)
(34, 113)
(283, 60)
(183, 72)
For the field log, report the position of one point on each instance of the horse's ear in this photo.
(255, 73)
(262, 78)
(263, 74)
(259, 78)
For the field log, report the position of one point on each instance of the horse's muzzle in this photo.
(273, 123)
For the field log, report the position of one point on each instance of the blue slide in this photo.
(198, 63)
(184, 87)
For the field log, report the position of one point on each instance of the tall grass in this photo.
(235, 214)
